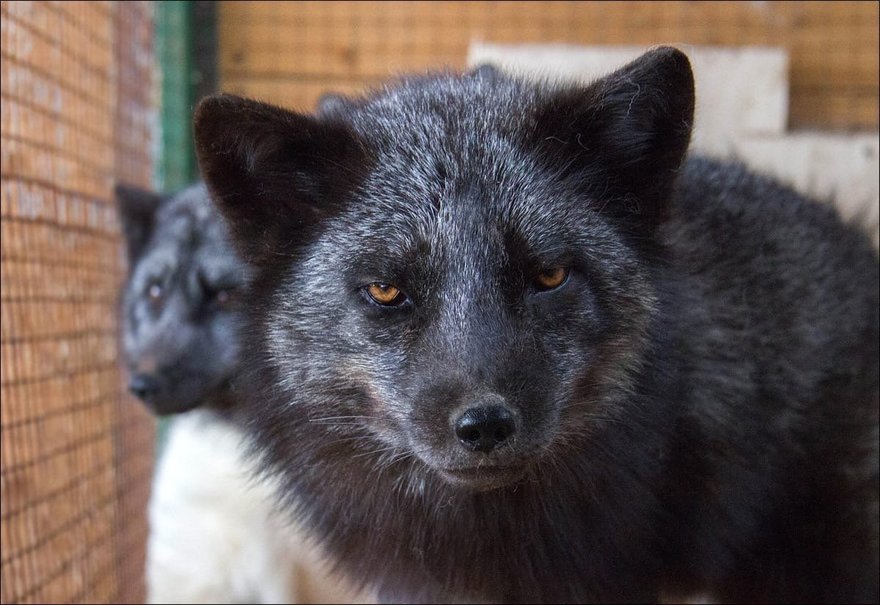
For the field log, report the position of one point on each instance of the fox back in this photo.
(507, 343)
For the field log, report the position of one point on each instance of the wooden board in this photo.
(290, 52)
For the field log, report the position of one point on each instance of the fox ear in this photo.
(272, 173)
(137, 213)
(630, 130)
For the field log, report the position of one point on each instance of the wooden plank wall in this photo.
(77, 451)
(291, 52)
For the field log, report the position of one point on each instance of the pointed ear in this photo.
(137, 213)
(629, 132)
(273, 173)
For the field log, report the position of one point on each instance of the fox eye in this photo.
(155, 292)
(386, 294)
(551, 278)
(219, 293)
(223, 296)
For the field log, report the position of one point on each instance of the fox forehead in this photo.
(449, 220)
(451, 169)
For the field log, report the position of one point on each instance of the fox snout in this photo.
(477, 440)
(171, 389)
(160, 394)
(144, 386)
(481, 450)
(482, 428)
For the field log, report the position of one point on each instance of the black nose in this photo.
(483, 428)
(143, 386)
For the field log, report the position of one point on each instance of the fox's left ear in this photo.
(137, 213)
(628, 133)
(273, 173)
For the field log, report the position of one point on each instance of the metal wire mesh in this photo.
(76, 452)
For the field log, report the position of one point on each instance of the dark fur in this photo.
(696, 408)
(185, 343)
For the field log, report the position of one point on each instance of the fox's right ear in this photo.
(137, 213)
(272, 173)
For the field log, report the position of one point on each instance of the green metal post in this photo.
(185, 42)
(176, 166)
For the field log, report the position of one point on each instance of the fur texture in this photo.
(179, 307)
(692, 409)
(215, 536)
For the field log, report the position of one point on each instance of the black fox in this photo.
(179, 317)
(179, 309)
(507, 343)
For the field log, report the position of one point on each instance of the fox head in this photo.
(180, 305)
(453, 276)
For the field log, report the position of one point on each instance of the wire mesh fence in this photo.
(76, 451)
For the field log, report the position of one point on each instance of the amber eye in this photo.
(552, 278)
(386, 294)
